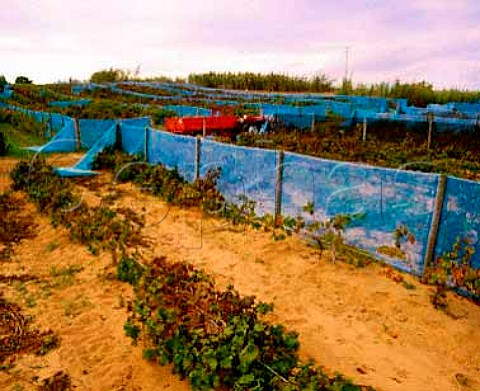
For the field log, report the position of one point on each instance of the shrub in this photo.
(216, 338)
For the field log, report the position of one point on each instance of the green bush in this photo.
(216, 338)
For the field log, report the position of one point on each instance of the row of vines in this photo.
(215, 339)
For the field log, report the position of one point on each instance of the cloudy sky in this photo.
(412, 40)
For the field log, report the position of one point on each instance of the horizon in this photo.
(426, 40)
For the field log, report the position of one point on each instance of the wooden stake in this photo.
(364, 133)
(430, 129)
(278, 188)
(437, 213)
(198, 146)
(78, 143)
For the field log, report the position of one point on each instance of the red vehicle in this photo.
(224, 125)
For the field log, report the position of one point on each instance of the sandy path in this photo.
(355, 321)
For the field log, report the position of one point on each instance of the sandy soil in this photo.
(6, 165)
(354, 321)
(60, 160)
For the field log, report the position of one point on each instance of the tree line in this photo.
(418, 94)
(273, 82)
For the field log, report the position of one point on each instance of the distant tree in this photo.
(23, 80)
(347, 87)
(109, 76)
(3, 83)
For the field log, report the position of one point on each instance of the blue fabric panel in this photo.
(188, 111)
(384, 197)
(460, 217)
(133, 139)
(63, 141)
(91, 130)
(142, 121)
(172, 151)
(108, 139)
(57, 121)
(246, 172)
(70, 172)
(69, 103)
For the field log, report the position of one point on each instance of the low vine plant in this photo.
(216, 339)
(454, 269)
(100, 228)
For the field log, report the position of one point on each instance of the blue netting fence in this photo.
(63, 141)
(70, 103)
(172, 151)
(418, 119)
(245, 172)
(460, 217)
(382, 199)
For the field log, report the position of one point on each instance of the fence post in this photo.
(435, 225)
(364, 133)
(278, 187)
(204, 127)
(146, 143)
(78, 143)
(118, 137)
(430, 129)
(313, 122)
(50, 126)
(198, 149)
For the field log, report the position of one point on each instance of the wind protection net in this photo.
(381, 199)
(63, 141)
(173, 151)
(460, 218)
(245, 172)
(84, 165)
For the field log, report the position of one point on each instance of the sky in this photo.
(433, 40)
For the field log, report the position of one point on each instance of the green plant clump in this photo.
(100, 228)
(216, 338)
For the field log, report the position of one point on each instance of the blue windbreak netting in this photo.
(467, 107)
(63, 141)
(344, 110)
(297, 121)
(69, 103)
(91, 130)
(108, 139)
(172, 151)
(245, 171)
(460, 217)
(417, 121)
(141, 121)
(188, 111)
(57, 121)
(298, 117)
(97, 135)
(79, 88)
(383, 198)
(7, 93)
(269, 109)
(133, 139)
